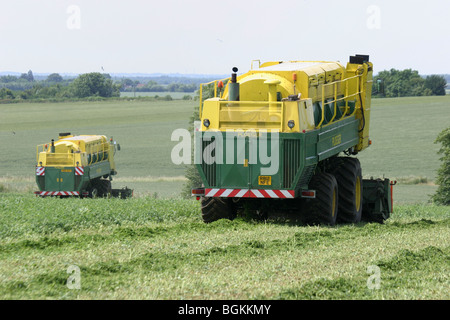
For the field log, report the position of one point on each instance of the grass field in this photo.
(154, 248)
(149, 248)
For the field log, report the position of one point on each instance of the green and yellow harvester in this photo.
(285, 135)
(77, 165)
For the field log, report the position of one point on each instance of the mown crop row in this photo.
(150, 248)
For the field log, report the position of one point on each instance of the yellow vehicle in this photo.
(288, 130)
(76, 165)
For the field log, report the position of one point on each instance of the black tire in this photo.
(323, 209)
(99, 188)
(104, 188)
(93, 192)
(214, 209)
(92, 188)
(349, 178)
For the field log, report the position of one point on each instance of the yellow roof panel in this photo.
(85, 138)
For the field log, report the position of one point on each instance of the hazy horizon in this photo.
(210, 37)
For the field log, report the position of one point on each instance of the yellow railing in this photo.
(215, 92)
(40, 148)
(259, 64)
(345, 98)
(95, 150)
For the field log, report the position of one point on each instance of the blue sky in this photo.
(210, 37)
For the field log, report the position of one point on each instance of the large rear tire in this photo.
(349, 178)
(93, 189)
(214, 209)
(99, 188)
(323, 208)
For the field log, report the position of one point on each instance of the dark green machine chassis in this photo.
(299, 155)
(302, 157)
(63, 181)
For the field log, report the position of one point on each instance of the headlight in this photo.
(291, 124)
(206, 123)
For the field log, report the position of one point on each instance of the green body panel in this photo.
(64, 178)
(52, 179)
(235, 174)
(298, 155)
(99, 169)
(59, 179)
(337, 137)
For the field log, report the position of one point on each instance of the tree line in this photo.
(129, 85)
(387, 83)
(407, 83)
(86, 85)
(93, 84)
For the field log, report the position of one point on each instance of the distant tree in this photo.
(180, 87)
(442, 195)
(30, 76)
(399, 83)
(116, 90)
(24, 94)
(6, 94)
(54, 77)
(127, 82)
(93, 84)
(27, 76)
(436, 84)
(153, 86)
(8, 78)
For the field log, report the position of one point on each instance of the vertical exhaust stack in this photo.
(233, 87)
(52, 148)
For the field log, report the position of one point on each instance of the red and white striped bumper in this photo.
(58, 193)
(250, 193)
